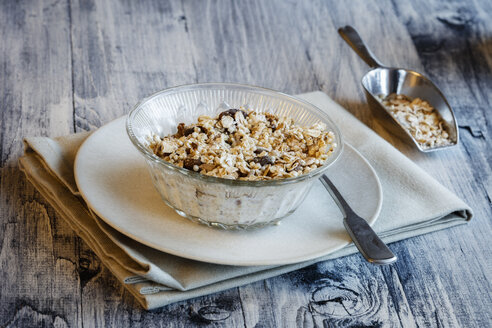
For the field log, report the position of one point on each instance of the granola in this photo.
(246, 145)
(419, 118)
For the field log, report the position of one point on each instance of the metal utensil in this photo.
(367, 241)
(383, 80)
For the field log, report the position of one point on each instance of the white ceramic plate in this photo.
(113, 179)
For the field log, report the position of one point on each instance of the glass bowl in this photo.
(219, 202)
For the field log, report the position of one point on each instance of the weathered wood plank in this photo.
(339, 293)
(122, 52)
(253, 43)
(39, 272)
(451, 45)
(35, 85)
(39, 282)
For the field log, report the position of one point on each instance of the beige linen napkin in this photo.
(413, 204)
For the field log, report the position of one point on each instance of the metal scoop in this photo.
(383, 80)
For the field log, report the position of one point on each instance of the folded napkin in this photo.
(413, 204)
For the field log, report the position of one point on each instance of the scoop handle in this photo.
(352, 37)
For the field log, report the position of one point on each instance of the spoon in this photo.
(365, 239)
(382, 80)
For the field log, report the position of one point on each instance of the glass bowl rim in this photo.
(231, 182)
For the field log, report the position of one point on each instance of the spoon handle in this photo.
(350, 35)
(365, 239)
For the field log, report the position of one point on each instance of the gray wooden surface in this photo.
(70, 66)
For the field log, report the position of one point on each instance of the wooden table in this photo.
(71, 66)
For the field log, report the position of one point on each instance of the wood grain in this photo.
(70, 66)
(39, 280)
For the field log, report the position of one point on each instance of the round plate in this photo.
(112, 178)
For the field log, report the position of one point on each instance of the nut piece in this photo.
(190, 163)
(264, 160)
(231, 112)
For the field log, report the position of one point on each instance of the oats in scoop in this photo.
(419, 118)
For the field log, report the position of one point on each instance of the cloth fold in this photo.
(413, 204)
